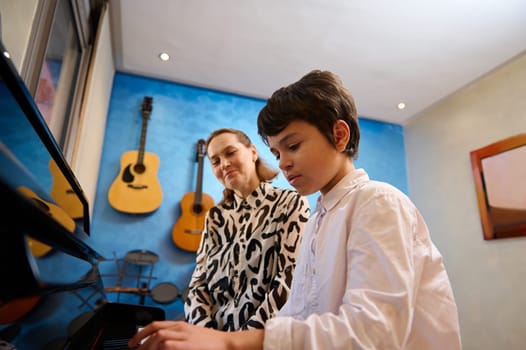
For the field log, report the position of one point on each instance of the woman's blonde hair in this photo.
(264, 171)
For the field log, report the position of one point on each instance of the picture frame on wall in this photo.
(499, 173)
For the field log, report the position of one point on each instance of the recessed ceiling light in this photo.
(400, 106)
(6, 54)
(164, 56)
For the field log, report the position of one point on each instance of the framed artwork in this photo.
(499, 173)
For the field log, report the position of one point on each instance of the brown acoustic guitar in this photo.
(17, 308)
(136, 190)
(186, 232)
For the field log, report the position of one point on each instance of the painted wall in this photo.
(91, 124)
(487, 276)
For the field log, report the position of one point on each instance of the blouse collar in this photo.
(254, 199)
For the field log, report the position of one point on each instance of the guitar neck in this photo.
(142, 142)
(198, 196)
(146, 111)
(199, 182)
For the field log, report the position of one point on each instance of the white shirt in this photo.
(368, 277)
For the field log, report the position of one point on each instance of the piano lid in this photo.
(25, 216)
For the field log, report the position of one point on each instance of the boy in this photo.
(368, 275)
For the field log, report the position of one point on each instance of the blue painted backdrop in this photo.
(181, 115)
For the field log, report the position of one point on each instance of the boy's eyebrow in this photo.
(283, 140)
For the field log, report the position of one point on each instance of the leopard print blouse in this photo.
(246, 258)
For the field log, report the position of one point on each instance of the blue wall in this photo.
(181, 115)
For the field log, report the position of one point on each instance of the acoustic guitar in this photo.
(17, 308)
(63, 194)
(136, 190)
(37, 248)
(186, 233)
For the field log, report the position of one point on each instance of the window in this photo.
(56, 63)
(59, 72)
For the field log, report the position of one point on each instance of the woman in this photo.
(248, 249)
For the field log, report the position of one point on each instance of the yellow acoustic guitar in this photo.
(186, 232)
(136, 190)
(39, 249)
(63, 194)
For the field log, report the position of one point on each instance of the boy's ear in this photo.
(341, 135)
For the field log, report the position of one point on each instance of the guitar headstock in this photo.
(147, 106)
(201, 150)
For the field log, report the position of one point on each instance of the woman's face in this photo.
(233, 163)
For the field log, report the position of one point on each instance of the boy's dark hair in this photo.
(319, 98)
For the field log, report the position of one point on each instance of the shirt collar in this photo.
(347, 183)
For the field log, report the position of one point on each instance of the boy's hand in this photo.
(173, 335)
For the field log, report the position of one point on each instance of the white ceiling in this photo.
(385, 51)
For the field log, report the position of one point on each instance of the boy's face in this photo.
(309, 162)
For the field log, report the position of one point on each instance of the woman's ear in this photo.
(254, 153)
(341, 135)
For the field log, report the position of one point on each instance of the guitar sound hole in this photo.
(197, 208)
(139, 168)
(127, 175)
(41, 204)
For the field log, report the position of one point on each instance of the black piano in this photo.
(33, 219)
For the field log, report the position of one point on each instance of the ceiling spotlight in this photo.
(400, 106)
(6, 54)
(164, 56)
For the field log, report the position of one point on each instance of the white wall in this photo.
(17, 18)
(88, 148)
(488, 277)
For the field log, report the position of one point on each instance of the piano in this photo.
(35, 220)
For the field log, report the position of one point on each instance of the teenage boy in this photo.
(368, 275)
